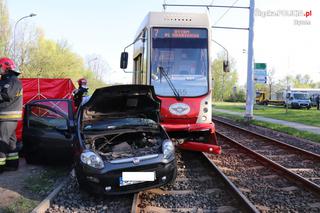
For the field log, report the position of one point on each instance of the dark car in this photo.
(115, 142)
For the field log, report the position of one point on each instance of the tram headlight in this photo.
(205, 110)
(204, 118)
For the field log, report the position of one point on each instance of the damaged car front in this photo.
(122, 147)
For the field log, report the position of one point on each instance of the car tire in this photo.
(292, 106)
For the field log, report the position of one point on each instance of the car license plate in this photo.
(129, 178)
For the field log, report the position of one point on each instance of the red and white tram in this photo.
(172, 52)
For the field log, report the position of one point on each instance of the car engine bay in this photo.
(111, 146)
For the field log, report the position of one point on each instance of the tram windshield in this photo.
(183, 54)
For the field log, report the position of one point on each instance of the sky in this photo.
(288, 44)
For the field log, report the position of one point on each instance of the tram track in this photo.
(268, 188)
(297, 160)
(234, 181)
(199, 187)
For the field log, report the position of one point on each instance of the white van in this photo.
(297, 99)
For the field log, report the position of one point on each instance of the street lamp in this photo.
(226, 67)
(14, 32)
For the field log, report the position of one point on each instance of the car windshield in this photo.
(183, 54)
(119, 123)
(301, 96)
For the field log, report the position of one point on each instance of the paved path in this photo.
(299, 126)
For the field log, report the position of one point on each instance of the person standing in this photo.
(318, 102)
(10, 114)
(81, 92)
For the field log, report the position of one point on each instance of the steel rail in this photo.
(136, 200)
(299, 180)
(274, 141)
(244, 202)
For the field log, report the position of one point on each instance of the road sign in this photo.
(260, 66)
(260, 79)
(260, 73)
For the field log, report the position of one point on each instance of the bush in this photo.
(237, 97)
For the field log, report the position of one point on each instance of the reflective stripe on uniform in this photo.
(11, 115)
(2, 161)
(10, 112)
(17, 116)
(13, 156)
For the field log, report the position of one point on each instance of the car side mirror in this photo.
(226, 67)
(124, 60)
(65, 130)
(62, 128)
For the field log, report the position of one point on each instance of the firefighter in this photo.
(10, 113)
(79, 93)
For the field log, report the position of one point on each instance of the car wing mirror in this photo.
(62, 128)
(65, 130)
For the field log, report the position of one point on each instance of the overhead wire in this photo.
(225, 12)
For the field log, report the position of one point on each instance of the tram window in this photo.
(183, 54)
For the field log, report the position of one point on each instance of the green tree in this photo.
(303, 81)
(298, 81)
(39, 57)
(50, 59)
(5, 29)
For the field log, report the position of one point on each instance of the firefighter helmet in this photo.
(82, 82)
(6, 64)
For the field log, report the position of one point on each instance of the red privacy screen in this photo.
(44, 88)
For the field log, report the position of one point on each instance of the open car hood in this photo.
(123, 101)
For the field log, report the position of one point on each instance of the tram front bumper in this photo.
(196, 137)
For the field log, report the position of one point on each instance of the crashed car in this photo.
(115, 142)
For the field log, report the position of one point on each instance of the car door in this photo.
(48, 131)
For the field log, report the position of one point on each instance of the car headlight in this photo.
(91, 159)
(168, 149)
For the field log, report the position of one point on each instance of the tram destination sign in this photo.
(179, 33)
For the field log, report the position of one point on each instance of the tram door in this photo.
(138, 69)
(140, 60)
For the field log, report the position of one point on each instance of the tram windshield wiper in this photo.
(174, 90)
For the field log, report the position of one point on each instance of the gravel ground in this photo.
(71, 200)
(22, 190)
(310, 168)
(263, 187)
(207, 191)
(295, 141)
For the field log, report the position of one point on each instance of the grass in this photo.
(276, 127)
(304, 116)
(44, 182)
(22, 205)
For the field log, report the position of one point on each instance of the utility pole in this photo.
(250, 85)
